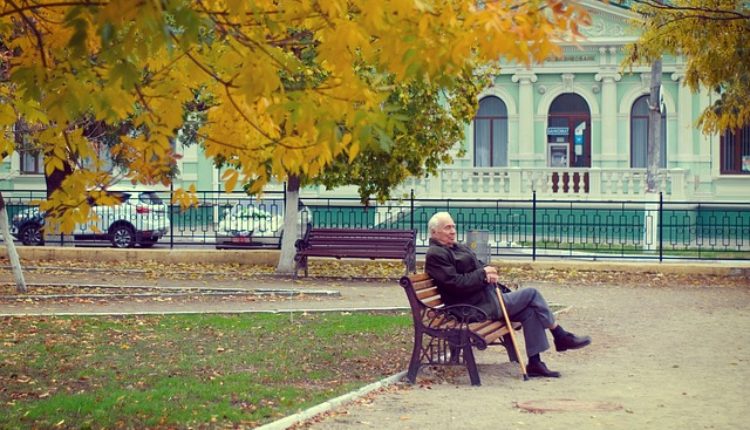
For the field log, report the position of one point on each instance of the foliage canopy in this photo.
(713, 37)
(290, 86)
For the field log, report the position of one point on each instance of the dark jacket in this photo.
(460, 277)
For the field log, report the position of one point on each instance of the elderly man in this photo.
(464, 279)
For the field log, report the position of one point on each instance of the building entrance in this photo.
(569, 142)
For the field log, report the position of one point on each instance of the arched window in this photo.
(491, 133)
(639, 135)
(735, 151)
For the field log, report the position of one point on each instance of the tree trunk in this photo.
(54, 181)
(15, 262)
(654, 132)
(291, 227)
(651, 213)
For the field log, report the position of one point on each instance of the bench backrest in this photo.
(327, 234)
(360, 239)
(421, 291)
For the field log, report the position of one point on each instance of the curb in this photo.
(27, 313)
(318, 409)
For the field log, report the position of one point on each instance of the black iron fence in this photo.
(530, 228)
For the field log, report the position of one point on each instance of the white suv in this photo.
(141, 218)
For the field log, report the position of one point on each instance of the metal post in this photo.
(661, 226)
(412, 210)
(171, 215)
(533, 226)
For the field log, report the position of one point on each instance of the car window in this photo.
(249, 212)
(150, 198)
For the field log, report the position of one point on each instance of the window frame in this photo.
(28, 156)
(741, 137)
(663, 145)
(491, 119)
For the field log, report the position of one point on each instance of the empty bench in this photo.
(357, 243)
(445, 335)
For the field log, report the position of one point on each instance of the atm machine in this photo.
(558, 147)
(558, 154)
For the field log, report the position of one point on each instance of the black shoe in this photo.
(539, 370)
(571, 341)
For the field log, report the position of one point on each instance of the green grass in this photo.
(196, 371)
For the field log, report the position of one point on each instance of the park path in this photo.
(668, 357)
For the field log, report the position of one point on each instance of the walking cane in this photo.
(511, 332)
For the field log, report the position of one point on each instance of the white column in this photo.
(684, 151)
(704, 146)
(525, 79)
(608, 76)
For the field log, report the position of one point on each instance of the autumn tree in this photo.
(435, 117)
(713, 37)
(134, 60)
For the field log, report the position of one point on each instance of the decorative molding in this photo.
(600, 27)
(595, 88)
(679, 70)
(608, 76)
(541, 89)
(502, 94)
(567, 79)
(545, 101)
(629, 97)
(524, 76)
(646, 82)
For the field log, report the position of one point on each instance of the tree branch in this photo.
(32, 27)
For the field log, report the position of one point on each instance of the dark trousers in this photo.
(528, 307)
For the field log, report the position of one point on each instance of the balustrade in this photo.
(567, 183)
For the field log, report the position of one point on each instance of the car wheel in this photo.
(122, 236)
(31, 235)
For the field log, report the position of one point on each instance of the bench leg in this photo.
(471, 365)
(416, 358)
(410, 261)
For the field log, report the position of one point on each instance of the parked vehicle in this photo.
(26, 226)
(141, 218)
(247, 225)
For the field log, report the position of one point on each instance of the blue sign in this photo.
(558, 131)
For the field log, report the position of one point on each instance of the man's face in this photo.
(445, 232)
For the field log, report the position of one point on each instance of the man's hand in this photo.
(491, 275)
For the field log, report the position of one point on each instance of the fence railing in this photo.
(525, 228)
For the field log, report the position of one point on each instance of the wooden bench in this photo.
(357, 243)
(445, 335)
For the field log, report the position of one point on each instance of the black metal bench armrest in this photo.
(453, 316)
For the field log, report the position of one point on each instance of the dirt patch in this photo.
(566, 405)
